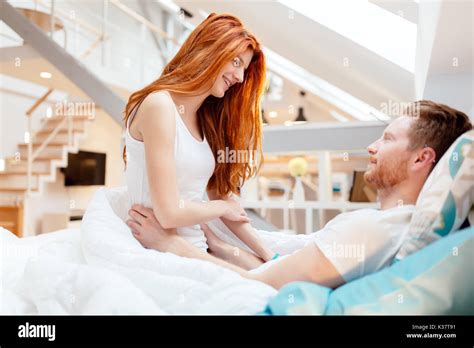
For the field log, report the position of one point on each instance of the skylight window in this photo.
(322, 88)
(384, 33)
(275, 87)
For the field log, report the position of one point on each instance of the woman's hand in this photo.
(148, 231)
(234, 212)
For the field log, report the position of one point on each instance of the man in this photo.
(400, 162)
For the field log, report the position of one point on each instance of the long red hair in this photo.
(233, 121)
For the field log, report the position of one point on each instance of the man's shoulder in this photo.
(358, 215)
(374, 217)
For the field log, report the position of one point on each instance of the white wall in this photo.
(13, 107)
(455, 90)
(428, 15)
(53, 200)
(445, 70)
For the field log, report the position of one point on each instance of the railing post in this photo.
(69, 130)
(325, 183)
(309, 220)
(286, 216)
(30, 157)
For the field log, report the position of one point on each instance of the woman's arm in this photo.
(307, 264)
(234, 255)
(156, 123)
(246, 233)
(151, 234)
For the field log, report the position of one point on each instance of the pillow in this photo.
(433, 281)
(446, 198)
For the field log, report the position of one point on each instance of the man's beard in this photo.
(386, 174)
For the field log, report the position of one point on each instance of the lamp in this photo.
(264, 120)
(300, 119)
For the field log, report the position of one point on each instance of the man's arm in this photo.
(230, 253)
(181, 247)
(149, 232)
(307, 264)
(245, 232)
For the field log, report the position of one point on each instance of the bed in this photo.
(102, 269)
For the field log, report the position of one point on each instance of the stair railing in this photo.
(33, 155)
(100, 39)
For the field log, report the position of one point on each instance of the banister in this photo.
(143, 20)
(38, 102)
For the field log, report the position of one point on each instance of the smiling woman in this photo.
(214, 57)
(207, 100)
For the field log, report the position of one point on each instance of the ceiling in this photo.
(32, 64)
(453, 44)
(320, 52)
(317, 49)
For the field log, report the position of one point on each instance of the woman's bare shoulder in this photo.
(160, 100)
(156, 110)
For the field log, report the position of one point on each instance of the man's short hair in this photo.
(436, 126)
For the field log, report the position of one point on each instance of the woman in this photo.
(207, 99)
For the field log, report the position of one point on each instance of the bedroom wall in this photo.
(13, 107)
(455, 90)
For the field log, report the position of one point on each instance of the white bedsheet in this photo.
(102, 269)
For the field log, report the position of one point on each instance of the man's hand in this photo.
(229, 253)
(148, 231)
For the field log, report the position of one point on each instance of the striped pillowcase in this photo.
(446, 199)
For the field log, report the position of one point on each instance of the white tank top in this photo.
(194, 163)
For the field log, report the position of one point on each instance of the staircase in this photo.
(57, 135)
(52, 155)
(24, 176)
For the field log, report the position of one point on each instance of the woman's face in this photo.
(233, 72)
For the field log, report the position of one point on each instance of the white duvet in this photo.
(102, 269)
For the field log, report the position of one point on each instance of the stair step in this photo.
(61, 137)
(23, 172)
(48, 127)
(42, 166)
(17, 182)
(42, 157)
(17, 189)
(37, 144)
(77, 118)
(47, 153)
